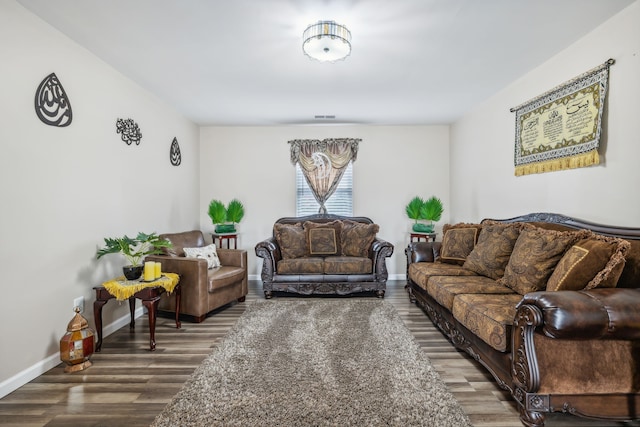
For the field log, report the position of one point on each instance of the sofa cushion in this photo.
(596, 261)
(323, 238)
(458, 241)
(420, 272)
(489, 317)
(491, 254)
(308, 265)
(291, 239)
(347, 265)
(189, 239)
(357, 238)
(443, 289)
(534, 256)
(224, 276)
(206, 252)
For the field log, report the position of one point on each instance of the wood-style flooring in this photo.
(128, 385)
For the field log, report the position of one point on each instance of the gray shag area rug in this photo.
(316, 362)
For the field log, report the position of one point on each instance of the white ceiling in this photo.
(240, 62)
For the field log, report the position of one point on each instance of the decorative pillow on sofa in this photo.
(357, 238)
(291, 239)
(491, 254)
(594, 262)
(323, 238)
(206, 252)
(458, 241)
(534, 257)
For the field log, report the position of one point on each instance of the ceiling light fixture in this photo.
(326, 41)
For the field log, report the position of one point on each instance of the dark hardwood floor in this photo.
(128, 385)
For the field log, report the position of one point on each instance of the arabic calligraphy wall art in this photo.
(52, 104)
(129, 131)
(561, 128)
(174, 153)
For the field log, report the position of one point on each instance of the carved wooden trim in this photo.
(524, 368)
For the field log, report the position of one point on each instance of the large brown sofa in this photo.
(203, 289)
(552, 311)
(324, 254)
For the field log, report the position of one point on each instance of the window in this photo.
(340, 202)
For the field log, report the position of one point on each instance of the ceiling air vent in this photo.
(331, 117)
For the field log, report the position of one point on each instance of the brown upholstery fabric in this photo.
(458, 241)
(179, 241)
(323, 243)
(224, 276)
(535, 255)
(291, 239)
(357, 238)
(311, 265)
(420, 272)
(488, 316)
(596, 261)
(444, 288)
(491, 254)
(347, 265)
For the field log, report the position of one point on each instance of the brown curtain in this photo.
(323, 163)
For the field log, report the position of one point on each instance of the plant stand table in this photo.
(225, 236)
(419, 236)
(148, 292)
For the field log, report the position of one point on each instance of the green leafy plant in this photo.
(134, 249)
(414, 208)
(217, 212)
(432, 209)
(235, 211)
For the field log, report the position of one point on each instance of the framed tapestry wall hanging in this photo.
(561, 128)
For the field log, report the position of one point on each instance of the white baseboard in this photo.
(34, 371)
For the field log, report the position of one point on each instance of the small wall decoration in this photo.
(51, 102)
(174, 153)
(561, 128)
(129, 130)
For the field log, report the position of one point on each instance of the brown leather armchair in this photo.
(203, 289)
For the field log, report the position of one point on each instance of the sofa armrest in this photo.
(608, 313)
(422, 252)
(233, 257)
(380, 251)
(269, 251)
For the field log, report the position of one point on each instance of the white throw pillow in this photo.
(205, 252)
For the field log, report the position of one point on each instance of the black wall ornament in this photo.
(129, 130)
(174, 153)
(51, 103)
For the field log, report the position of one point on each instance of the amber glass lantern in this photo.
(76, 346)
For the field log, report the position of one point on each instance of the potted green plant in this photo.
(224, 217)
(429, 210)
(133, 249)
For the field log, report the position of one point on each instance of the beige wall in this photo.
(395, 163)
(482, 143)
(64, 189)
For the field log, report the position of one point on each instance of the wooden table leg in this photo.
(152, 305)
(97, 317)
(178, 292)
(132, 309)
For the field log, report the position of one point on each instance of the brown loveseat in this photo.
(551, 310)
(324, 254)
(203, 289)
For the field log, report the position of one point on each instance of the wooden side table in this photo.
(225, 236)
(150, 298)
(419, 236)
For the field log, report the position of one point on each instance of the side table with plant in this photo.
(426, 210)
(134, 250)
(224, 217)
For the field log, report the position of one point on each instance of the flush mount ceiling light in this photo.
(326, 41)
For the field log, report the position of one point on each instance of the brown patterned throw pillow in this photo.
(327, 240)
(458, 241)
(357, 238)
(491, 254)
(534, 257)
(594, 262)
(291, 239)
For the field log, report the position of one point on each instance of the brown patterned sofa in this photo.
(547, 303)
(324, 254)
